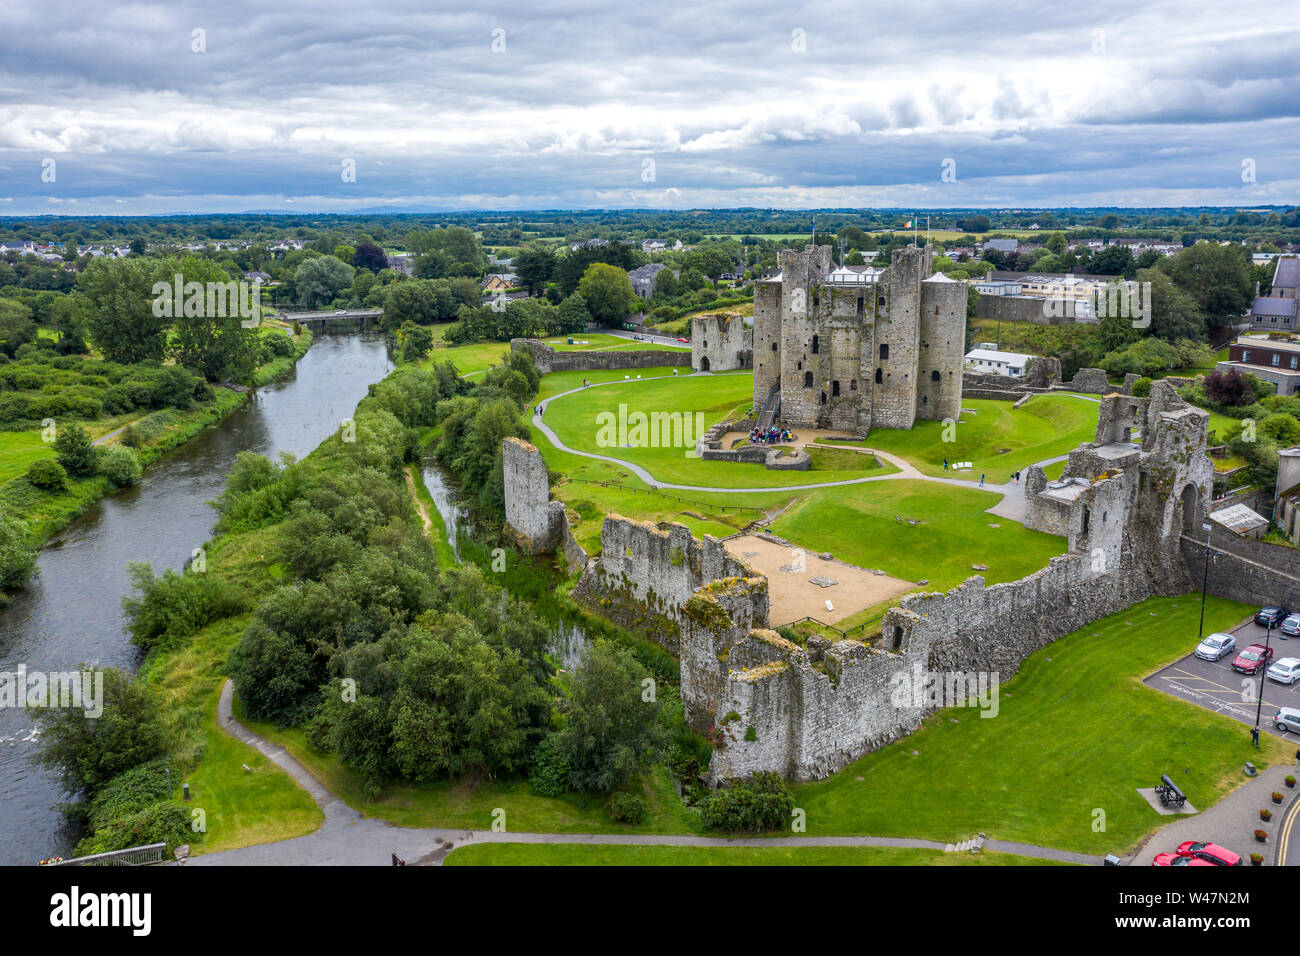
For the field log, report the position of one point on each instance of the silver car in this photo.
(1287, 718)
(1291, 625)
(1216, 647)
(1285, 671)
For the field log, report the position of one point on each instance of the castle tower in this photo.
(943, 348)
(893, 362)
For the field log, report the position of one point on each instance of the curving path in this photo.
(347, 838)
(1011, 506)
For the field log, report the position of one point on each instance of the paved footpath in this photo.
(347, 838)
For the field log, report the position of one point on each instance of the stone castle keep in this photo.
(850, 350)
(1126, 503)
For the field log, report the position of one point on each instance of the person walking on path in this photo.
(981, 481)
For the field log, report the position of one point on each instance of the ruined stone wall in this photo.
(1092, 380)
(527, 494)
(547, 360)
(807, 713)
(720, 342)
(645, 574)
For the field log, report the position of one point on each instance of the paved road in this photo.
(1232, 821)
(1215, 686)
(346, 838)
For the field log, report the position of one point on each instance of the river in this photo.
(71, 612)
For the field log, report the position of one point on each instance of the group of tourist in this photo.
(771, 436)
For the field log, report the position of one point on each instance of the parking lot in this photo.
(1217, 687)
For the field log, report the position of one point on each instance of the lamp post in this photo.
(1259, 706)
(1205, 577)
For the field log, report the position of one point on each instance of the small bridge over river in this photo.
(320, 321)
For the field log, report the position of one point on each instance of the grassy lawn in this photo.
(561, 854)
(241, 808)
(244, 808)
(858, 525)
(1077, 732)
(576, 420)
(994, 437)
(469, 802)
(18, 450)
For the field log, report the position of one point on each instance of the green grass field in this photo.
(18, 450)
(1077, 733)
(858, 525)
(994, 437)
(580, 420)
(568, 854)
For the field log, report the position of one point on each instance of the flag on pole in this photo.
(908, 224)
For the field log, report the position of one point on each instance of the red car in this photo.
(683, 340)
(1252, 658)
(1173, 859)
(1209, 852)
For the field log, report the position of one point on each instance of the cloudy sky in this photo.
(186, 106)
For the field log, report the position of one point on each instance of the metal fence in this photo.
(133, 856)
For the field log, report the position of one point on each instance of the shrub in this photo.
(120, 465)
(1142, 387)
(47, 474)
(752, 806)
(75, 451)
(549, 776)
(279, 345)
(626, 808)
(17, 558)
(131, 437)
(175, 606)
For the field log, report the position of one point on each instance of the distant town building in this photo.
(1273, 360)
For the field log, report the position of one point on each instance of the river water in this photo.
(71, 612)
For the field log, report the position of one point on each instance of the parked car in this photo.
(1285, 671)
(1210, 852)
(1216, 647)
(1173, 859)
(1291, 625)
(1271, 616)
(1287, 718)
(1252, 659)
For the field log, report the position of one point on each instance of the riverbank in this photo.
(72, 612)
(158, 432)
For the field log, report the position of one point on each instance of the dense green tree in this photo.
(1217, 277)
(608, 293)
(87, 751)
(535, 266)
(320, 280)
(75, 451)
(610, 731)
(120, 314)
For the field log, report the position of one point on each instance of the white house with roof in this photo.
(984, 361)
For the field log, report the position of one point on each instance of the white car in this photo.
(1287, 718)
(1285, 671)
(1216, 647)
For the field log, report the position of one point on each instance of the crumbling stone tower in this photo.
(856, 350)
